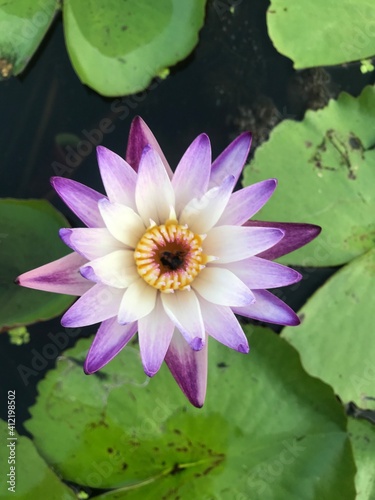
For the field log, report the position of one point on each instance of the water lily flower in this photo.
(172, 256)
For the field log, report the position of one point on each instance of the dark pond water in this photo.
(235, 80)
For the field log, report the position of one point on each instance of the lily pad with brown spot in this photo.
(325, 166)
(264, 424)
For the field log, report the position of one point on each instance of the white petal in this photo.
(138, 301)
(91, 243)
(232, 243)
(154, 194)
(183, 309)
(231, 160)
(259, 273)
(222, 325)
(202, 214)
(122, 222)
(220, 286)
(246, 202)
(116, 269)
(108, 342)
(82, 200)
(154, 333)
(268, 307)
(101, 302)
(192, 174)
(118, 177)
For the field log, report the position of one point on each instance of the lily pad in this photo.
(264, 424)
(323, 32)
(362, 435)
(326, 171)
(23, 25)
(117, 48)
(28, 239)
(32, 477)
(336, 338)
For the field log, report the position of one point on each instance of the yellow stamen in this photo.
(169, 257)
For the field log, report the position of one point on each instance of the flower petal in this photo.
(243, 204)
(109, 340)
(118, 177)
(155, 333)
(59, 276)
(122, 222)
(139, 136)
(232, 243)
(189, 368)
(101, 302)
(91, 243)
(138, 301)
(183, 309)
(231, 161)
(202, 214)
(261, 273)
(192, 174)
(296, 236)
(116, 269)
(267, 307)
(222, 325)
(220, 286)
(154, 193)
(82, 200)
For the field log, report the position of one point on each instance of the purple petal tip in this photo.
(149, 373)
(197, 344)
(244, 348)
(295, 322)
(87, 369)
(64, 234)
(87, 272)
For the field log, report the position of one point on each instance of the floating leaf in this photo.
(28, 239)
(323, 32)
(118, 47)
(362, 435)
(336, 338)
(326, 171)
(32, 477)
(264, 424)
(23, 25)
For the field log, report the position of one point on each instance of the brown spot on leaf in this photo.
(222, 365)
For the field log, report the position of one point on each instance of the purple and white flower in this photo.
(172, 256)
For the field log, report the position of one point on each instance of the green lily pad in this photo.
(266, 428)
(326, 171)
(323, 32)
(23, 25)
(29, 238)
(362, 435)
(336, 338)
(31, 475)
(117, 48)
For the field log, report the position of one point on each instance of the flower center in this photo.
(169, 257)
